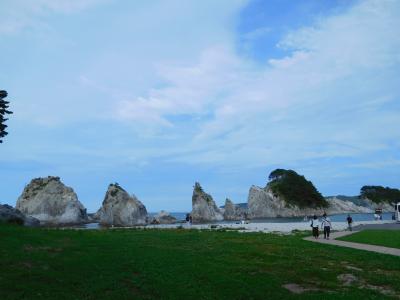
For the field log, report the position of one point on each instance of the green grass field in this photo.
(388, 238)
(181, 264)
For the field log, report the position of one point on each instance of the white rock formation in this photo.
(121, 209)
(233, 212)
(339, 206)
(262, 203)
(50, 201)
(204, 208)
(386, 207)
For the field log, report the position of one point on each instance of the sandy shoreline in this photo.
(260, 227)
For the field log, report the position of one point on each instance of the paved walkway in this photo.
(338, 234)
(387, 226)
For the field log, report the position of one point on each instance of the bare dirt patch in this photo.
(298, 289)
(381, 289)
(347, 279)
(350, 279)
(353, 268)
(388, 272)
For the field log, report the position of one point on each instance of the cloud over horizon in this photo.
(165, 88)
(324, 100)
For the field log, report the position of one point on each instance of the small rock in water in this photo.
(163, 217)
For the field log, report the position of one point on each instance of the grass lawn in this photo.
(388, 238)
(181, 264)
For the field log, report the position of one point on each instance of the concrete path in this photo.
(386, 226)
(338, 234)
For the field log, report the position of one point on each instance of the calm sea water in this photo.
(180, 216)
(334, 218)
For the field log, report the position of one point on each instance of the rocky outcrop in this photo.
(385, 206)
(121, 209)
(93, 218)
(204, 208)
(262, 203)
(163, 217)
(233, 212)
(9, 214)
(50, 201)
(337, 205)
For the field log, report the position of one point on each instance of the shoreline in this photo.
(266, 227)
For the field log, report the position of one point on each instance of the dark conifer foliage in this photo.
(3, 112)
(295, 189)
(378, 194)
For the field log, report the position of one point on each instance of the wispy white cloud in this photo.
(19, 15)
(190, 90)
(316, 102)
(160, 94)
(332, 96)
(377, 164)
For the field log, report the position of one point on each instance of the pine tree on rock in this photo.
(3, 112)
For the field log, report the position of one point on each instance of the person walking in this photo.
(350, 222)
(315, 227)
(326, 226)
(188, 219)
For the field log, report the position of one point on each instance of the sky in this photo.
(156, 95)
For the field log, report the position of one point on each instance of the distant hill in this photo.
(379, 194)
(295, 189)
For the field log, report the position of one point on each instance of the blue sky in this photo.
(156, 95)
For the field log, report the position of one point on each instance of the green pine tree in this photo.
(3, 112)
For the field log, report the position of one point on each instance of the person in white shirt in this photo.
(315, 227)
(326, 226)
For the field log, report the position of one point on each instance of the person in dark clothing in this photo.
(350, 222)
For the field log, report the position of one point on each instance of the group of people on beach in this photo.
(326, 225)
